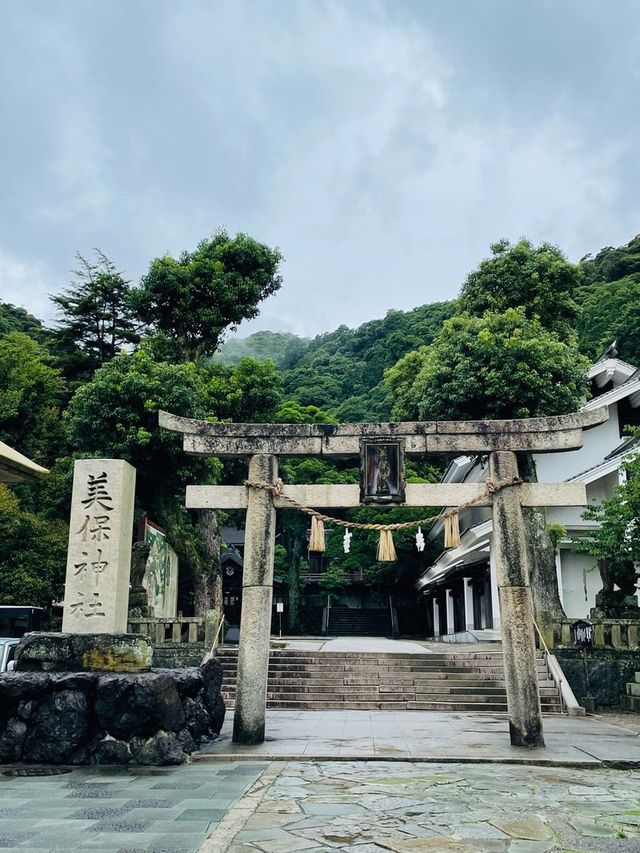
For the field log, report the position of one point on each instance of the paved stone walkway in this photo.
(367, 807)
(120, 809)
(428, 736)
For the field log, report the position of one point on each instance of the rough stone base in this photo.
(55, 652)
(155, 717)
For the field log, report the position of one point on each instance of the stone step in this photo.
(462, 707)
(297, 654)
(389, 687)
(363, 672)
(276, 666)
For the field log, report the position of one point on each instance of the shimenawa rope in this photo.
(386, 549)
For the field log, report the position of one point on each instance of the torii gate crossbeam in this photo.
(500, 440)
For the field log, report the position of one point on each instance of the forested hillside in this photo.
(512, 345)
(342, 372)
(610, 301)
(283, 348)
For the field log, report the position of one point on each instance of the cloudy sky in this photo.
(381, 144)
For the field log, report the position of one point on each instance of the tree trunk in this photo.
(208, 585)
(542, 557)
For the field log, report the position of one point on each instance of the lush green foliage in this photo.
(283, 348)
(539, 280)
(510, 351)
(14, 319)
(31, 391)
(96, 316)
(32, 554)
(495, 366)
(343, 371)
(116, 415)
(617, 539)
(203, 293)
(610, 302)
(247, 392)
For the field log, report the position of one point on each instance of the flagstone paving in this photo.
(120, 809)
(404, 807)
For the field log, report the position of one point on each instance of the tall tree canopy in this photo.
(494, 366)
(195, 299)
(96, 318)
(540, 280)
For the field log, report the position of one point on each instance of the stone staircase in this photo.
(631, 702)
(461, 681)
(359, 622)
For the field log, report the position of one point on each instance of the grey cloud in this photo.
(382, 145)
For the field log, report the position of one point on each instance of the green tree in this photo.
(31, 391)
(539, 280)
(248, 392)
(291, 412)
(610, 311)
(518, 360)
(195, 299)
(116, 414)
(615, 542)
(496, 366)
(32, 554)
(96, 318)
(15, 319)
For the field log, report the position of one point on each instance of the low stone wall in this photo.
(598, 676)
(156, 717)
(171, 655)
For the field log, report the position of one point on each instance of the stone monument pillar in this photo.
(516, 606)
(257, 593)
(99, 556)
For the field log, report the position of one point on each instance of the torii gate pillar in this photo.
(257, 593)
(516, 606)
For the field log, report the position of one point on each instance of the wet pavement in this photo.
(429, 736)
(120, 809)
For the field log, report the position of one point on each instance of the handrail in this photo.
(214, 645)
(328, 612)
(393, 621)
(215, 640)
(568, 701)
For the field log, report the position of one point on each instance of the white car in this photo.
(7, 651)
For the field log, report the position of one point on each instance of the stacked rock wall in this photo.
(157, 717)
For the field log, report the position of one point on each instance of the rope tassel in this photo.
(316, 540)
(451, 530)
(386, 548)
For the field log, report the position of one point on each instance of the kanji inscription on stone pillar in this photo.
(99, 554)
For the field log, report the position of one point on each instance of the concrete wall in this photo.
(598, 442)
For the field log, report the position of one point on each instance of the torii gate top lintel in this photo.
(539, 435)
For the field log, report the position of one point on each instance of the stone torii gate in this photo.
(500, 440)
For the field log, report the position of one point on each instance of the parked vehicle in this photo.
(16, 621)
(7, 651)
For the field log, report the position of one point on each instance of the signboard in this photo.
(582, 634)
(280, 607)
(382, 472)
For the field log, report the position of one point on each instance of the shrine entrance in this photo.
(381, 449)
